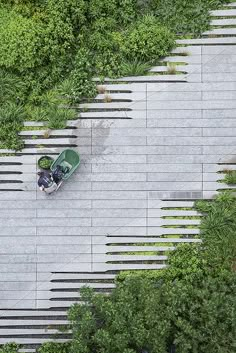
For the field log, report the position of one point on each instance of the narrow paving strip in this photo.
(154, 147)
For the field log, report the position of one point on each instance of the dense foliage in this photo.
(185, 17)
(56, 47)
(10, 348)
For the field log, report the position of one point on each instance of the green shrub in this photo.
(117, 12)
(183, 262)
(81, 77)
(22, 41)
(106, 55)
(134, 68)
(71, 14)
(218, 231)
(127, 12)
(192, 315)
(230, 177)
(54, 347)
(57, 117)
(147, 40)
(10, 348)
(150, 274)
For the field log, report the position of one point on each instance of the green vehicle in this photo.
(60, 169)
(67, 161)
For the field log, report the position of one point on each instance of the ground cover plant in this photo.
(50, 50)
(186, 17)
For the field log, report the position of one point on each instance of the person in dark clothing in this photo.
(58, 174)
(45, 180)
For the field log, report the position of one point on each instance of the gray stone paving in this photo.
(167, 145)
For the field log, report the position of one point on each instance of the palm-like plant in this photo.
(230, 178)
(11, 87)
(11, 122)
(134, 68)
(12, 113)
(57, 117)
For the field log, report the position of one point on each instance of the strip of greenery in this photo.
(178, 208)
(226, 189)
(137, 252)
(33, 128)
(181, 217)
(181, 226)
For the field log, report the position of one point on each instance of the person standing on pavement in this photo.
(46, 182)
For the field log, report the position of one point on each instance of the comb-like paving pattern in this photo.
(151, 149)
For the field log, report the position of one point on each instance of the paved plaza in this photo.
(158, 145)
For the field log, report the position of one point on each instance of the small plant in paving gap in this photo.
(47, 133)
(101, 89)
(171, 69)
(107, 98)
(184, 53)
(230, 177)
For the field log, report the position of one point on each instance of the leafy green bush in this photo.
(190, 314)
(80, 85)
(22, 41)
(147, 40)
(150, 274)
(10, 348)
(112, 12)
(184, 262)
(57, 117)
(54, 347)
(71, 14)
